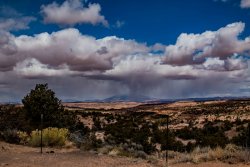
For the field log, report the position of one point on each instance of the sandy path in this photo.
(21, 156)
(73, 159)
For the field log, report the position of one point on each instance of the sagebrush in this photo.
(51, 137)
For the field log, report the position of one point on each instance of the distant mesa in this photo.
(128, 98)
(146, 99)
(141, 98)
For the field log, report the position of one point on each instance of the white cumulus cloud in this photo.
(195, 48)
(72, 12)
(32, 68)
(245, 4)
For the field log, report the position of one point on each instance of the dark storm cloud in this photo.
(81, 66)
(63, 50)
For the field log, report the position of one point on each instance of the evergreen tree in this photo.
(42, 100)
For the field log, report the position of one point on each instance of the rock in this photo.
(4, 164)
(3, 148)
(50, 152)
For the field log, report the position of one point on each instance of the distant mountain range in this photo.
(128, 98)
(141, 98)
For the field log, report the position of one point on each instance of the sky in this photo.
(94, 49)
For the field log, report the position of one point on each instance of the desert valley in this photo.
(201, 133)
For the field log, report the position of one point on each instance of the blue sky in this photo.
(148, 21)
(125, 47)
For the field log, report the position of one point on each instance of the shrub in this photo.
(116, 151)
(91, 143)
(210, 135)
(23, 137)
(12, 117)
(230, 153)
(127, 153)
(243, 138)
(51, 137)
(231, 149)
(10, 136)
(14, 136)
(216, 154)
(77, 137)
(183, 158)
(140, 154)
(244, 155)
(105, 149)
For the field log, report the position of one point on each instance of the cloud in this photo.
(119, 24)
(69, 52)
(232, 64)
(72, 12)
(11, 20)
(16, 23)
(66, 47)
(6, 11)
(210, 63)
(32, 68)
(195, 48)
(7, 50)
(245, 3)
(214, 64)
(148, 67)
(220, 0)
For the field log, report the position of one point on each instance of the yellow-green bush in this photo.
(51, 137)
(23, 137)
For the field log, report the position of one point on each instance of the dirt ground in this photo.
(21, 156)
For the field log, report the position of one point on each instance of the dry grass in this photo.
(230, 154)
